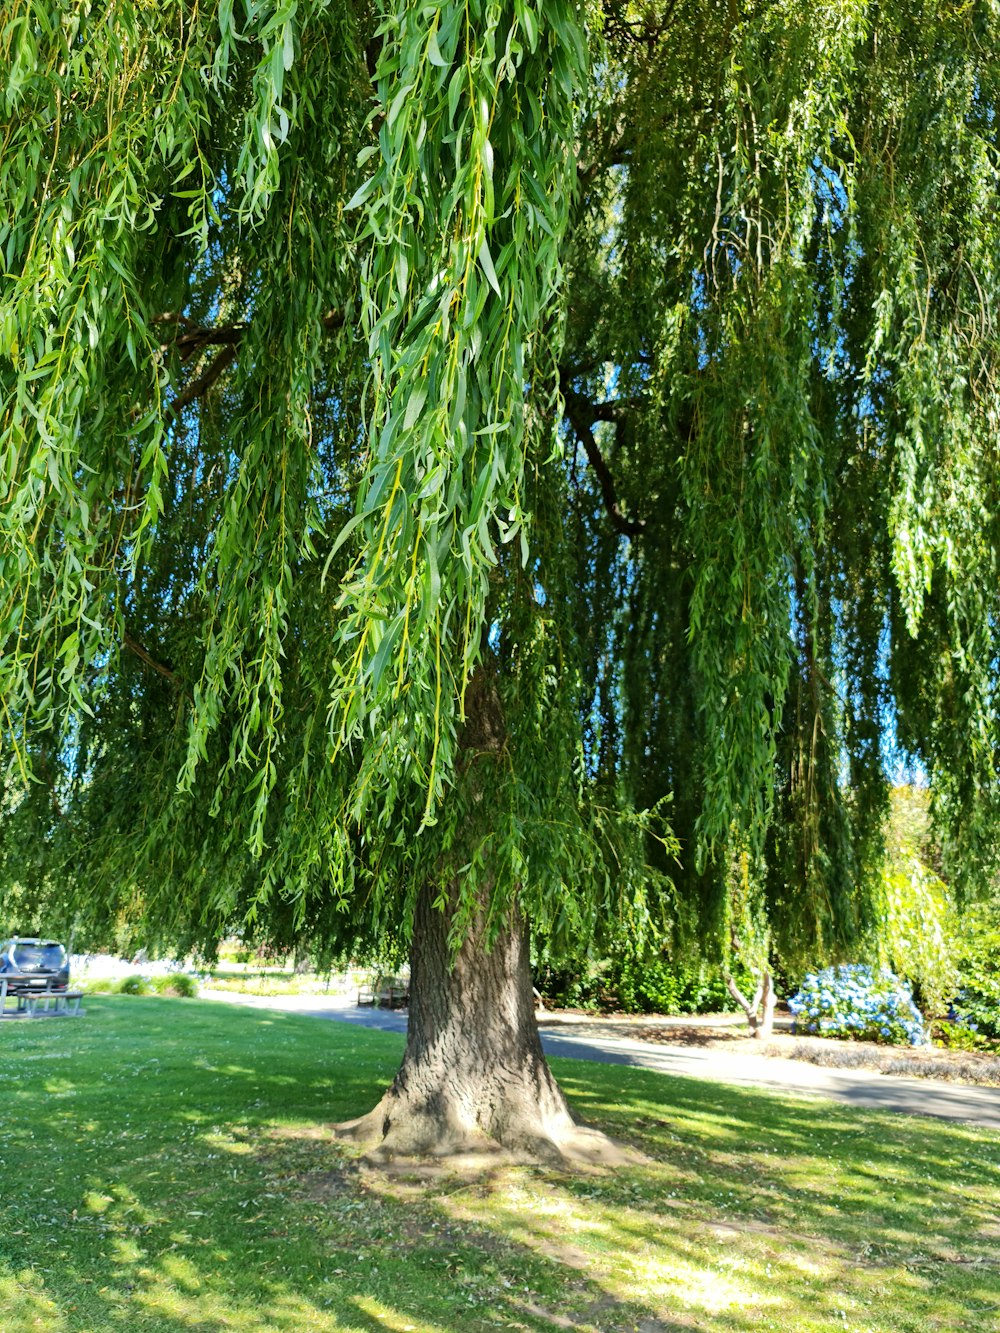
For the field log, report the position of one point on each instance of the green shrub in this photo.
(98, 986)
(958, 1035)
(132, 985)
(181, 984)
(977, 1006)
(919, 931)
(631, 985)
(976, 1003)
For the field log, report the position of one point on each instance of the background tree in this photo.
(918, 935)
(390, 526)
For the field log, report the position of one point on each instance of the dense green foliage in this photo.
(350, 357)
(798, 300)
(976, 1003)
(636, 984)
(133, 985)
(916, 932)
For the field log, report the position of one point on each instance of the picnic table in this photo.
(30, 1001)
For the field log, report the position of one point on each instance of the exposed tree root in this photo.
(396, 1132)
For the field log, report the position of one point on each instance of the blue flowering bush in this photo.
(868, 1004)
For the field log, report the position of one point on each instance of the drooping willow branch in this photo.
(462, 225)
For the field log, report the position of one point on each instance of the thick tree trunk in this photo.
(474, 1078)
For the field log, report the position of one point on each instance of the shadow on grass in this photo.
(176, 1173)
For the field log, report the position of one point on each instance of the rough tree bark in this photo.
(474, 1078)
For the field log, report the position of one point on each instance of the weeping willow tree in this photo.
(433, 435)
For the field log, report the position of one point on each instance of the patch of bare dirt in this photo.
(635, 1029)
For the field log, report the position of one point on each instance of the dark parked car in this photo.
(29, 965)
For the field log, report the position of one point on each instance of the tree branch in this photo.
(749, 1009)
(187, 344)
(190, 338)
(582, 414)
(616, 409)
(195, 338)
(135, 647)
(201, 383)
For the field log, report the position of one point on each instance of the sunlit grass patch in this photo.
(181, 1176)
(253, 979)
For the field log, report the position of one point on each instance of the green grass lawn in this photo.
(167, 1165)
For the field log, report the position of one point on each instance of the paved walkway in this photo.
(858, 1087)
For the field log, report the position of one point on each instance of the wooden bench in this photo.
(47, 1000)
(385, 992)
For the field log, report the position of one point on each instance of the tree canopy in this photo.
(637, 359)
